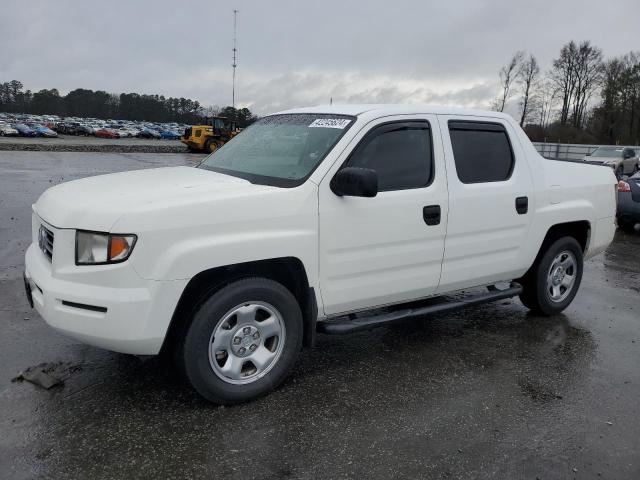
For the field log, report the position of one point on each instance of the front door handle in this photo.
(431, 214)
(522, 205)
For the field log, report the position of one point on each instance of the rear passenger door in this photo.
(386, 249)
(490, 202)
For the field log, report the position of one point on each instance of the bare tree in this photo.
(210, 111)
(576, 74)
(589, 69)
(528, 79)
(547, 100)
(617, 118)
(508, 75)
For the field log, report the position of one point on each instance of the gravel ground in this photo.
(71, 143)
(491, 392)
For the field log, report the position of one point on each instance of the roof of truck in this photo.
(393, 109)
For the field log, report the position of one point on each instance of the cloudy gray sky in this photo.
(294, 53)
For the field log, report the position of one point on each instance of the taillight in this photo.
(623, 186)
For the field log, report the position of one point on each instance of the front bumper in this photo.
(106, 306)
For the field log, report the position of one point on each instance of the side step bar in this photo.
(349, 324)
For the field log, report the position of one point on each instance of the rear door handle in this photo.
(522, 205)
(431, 214)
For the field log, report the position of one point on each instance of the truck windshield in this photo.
(279, 150)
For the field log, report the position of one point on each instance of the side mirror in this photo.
(355, 182)
(588, 154)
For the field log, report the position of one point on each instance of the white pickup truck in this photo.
(328, 219)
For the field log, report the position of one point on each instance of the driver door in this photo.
(389, 248)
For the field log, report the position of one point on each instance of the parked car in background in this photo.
(83, 129)
(628, 212)
(42, 131)
(24, 131)
(106, 133)
(122, 132)
(623, 160)
(148, 133)
(88, 126)
(7, 130)
(93, 127)
(67, 128)
(169, 135)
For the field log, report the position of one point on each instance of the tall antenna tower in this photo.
(234, 64)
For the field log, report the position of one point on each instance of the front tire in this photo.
(243, 341)
(553, 281)
(211, 146)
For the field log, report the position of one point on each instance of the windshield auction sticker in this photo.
(330, 123)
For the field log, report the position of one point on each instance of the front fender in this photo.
(187, 258)
(178, 242)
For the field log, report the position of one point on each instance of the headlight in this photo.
(94, 248)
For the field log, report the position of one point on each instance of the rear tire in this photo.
(243, 341)
(626, 225)
(553, 281)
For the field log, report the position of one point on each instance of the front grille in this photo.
(45, 241)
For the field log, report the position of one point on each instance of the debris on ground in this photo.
(38, 376)
(47, 375)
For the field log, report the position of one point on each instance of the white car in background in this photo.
(7, 130)
(623, 160)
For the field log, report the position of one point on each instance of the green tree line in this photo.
(100, 104)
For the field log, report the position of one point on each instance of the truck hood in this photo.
(96, 203)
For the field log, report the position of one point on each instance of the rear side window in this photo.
(482, 151)
(401, 153)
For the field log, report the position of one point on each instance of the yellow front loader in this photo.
(209, 136)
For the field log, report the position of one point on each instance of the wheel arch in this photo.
(288, 271)
(580, 230)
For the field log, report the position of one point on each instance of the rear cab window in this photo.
(482, 151)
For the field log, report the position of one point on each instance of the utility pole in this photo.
(234, 64)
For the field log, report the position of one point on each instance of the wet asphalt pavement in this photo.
(491, 392)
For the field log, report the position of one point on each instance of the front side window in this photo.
(401, 153)
(481, 151)
(280, 150)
